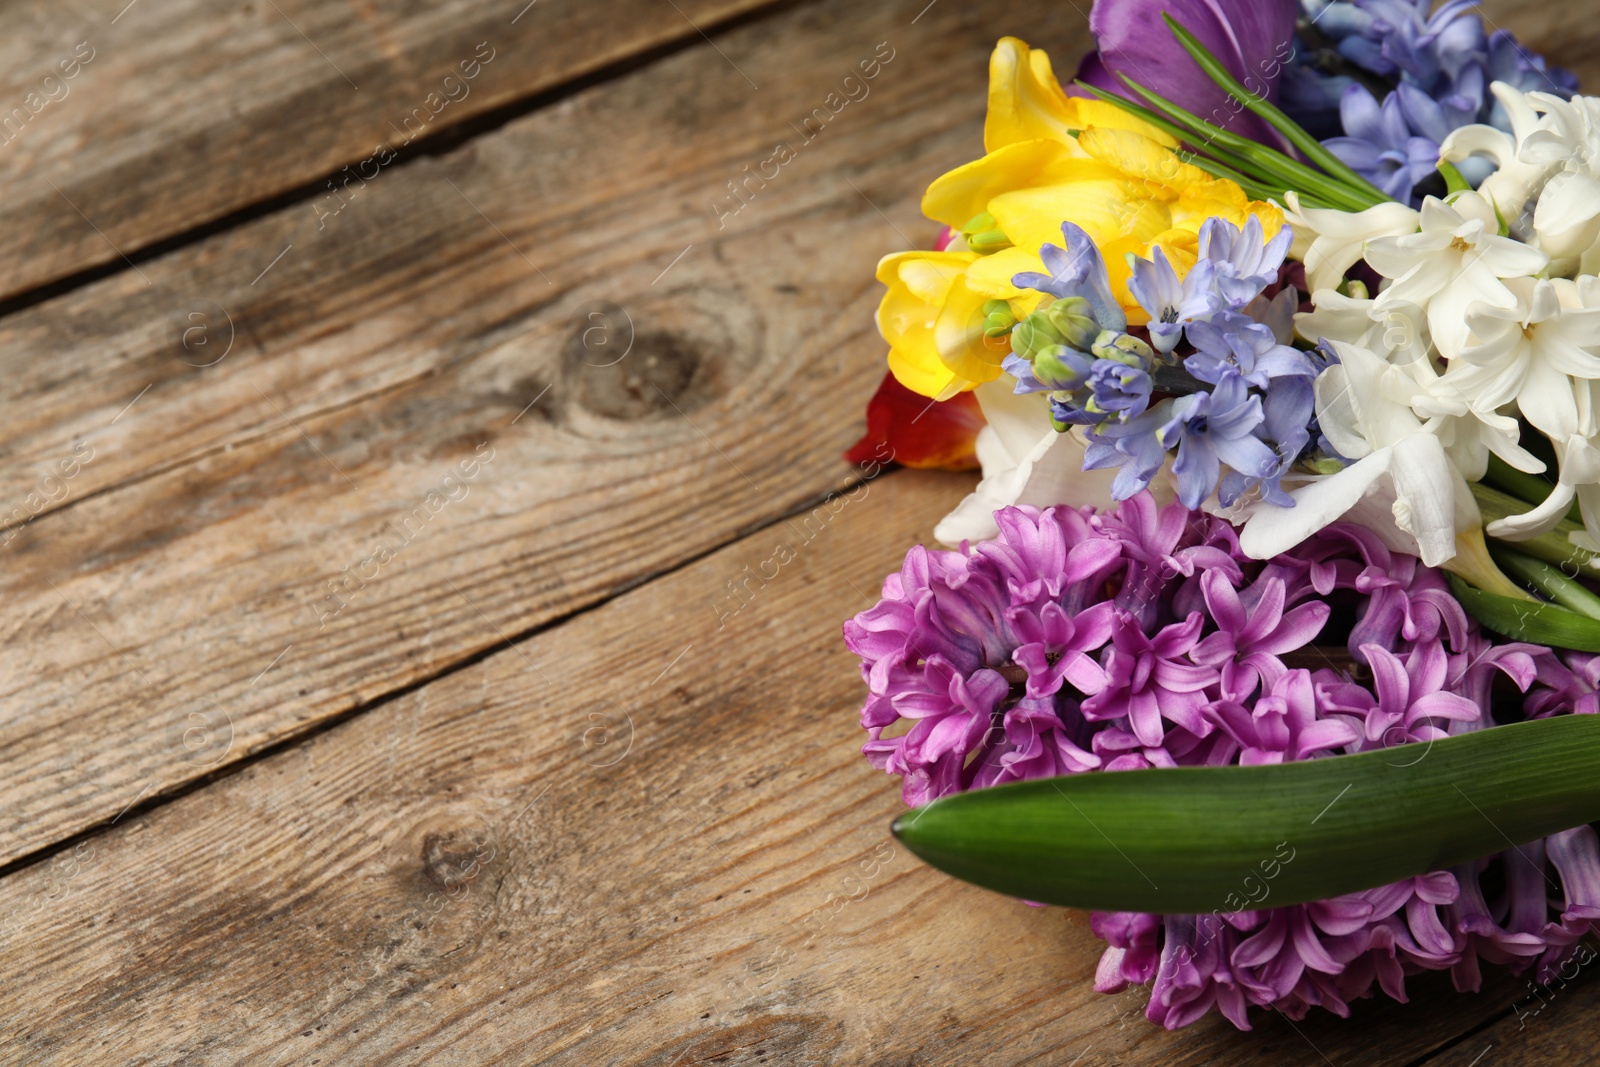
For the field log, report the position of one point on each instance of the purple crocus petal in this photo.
(1252, 38)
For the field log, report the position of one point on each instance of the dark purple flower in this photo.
(1252, 38)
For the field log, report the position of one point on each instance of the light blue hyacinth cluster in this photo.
(1384, 82)
(1212, 377)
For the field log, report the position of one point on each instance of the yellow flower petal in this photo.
(957, 196)
(1106, 209)
(934, 323)
(991, 275)
(958, 333)
(1084, 112)
(1026, 103)
(1025, 100)
(917, 367)
(1142, 158)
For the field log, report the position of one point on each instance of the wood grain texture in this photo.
(644, 837)
(185, 112)
(182, 610)
(1543, 1024)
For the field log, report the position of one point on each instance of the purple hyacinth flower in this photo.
(1057, 368)
(1254, 627)
(1243, 260)
(1148, 678)
(981, 668)
(1438, 114)
(1283, 724)
(1379, 145)
(1077, 270)
(1170, 303)
(1252, 38)
(1214, 428)
(1408, 700)
(1134, 954)
(1245, 348)
(1137, 447)
(1118, 390)
(1509, 62)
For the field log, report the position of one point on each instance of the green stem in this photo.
(1285, 171)
(1554, 546)
(1271, 115)
(1549, 580)
(1223, 158)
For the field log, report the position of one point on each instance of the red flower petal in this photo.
(907, 428)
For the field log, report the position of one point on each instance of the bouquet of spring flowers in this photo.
(1276, 335)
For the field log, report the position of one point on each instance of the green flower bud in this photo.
(1122, 347)
(983, 234)
(997, 319)
(1034, 333)
(1054, 364)
(1326, 465)
(988, 241)
(1353, 289)
(1073, 321)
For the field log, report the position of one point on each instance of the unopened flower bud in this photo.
(1060, 368)
(1034, 333)
(983, 234)
(1074, 321)
(997, 319)
(1122, 347)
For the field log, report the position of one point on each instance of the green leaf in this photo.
(1291, 130)
(1453, 181)
(1522, 620)
(1194, 840)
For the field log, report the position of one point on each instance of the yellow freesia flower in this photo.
(933, 322)
(1050, 158)
(1026, 103)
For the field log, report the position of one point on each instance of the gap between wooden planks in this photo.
(187, 112)
(644, 837)
(182, 615)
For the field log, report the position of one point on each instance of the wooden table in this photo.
(400, 402)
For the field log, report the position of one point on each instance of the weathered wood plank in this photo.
(644, 837)
(69, 369)
(177, 114)
(215, 605)
(1543, 1024)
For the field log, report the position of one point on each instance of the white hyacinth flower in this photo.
(1401, 482)
(1457, 259)
(1540, 356)
(1330, 242)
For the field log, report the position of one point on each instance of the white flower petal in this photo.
(1270, 530)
